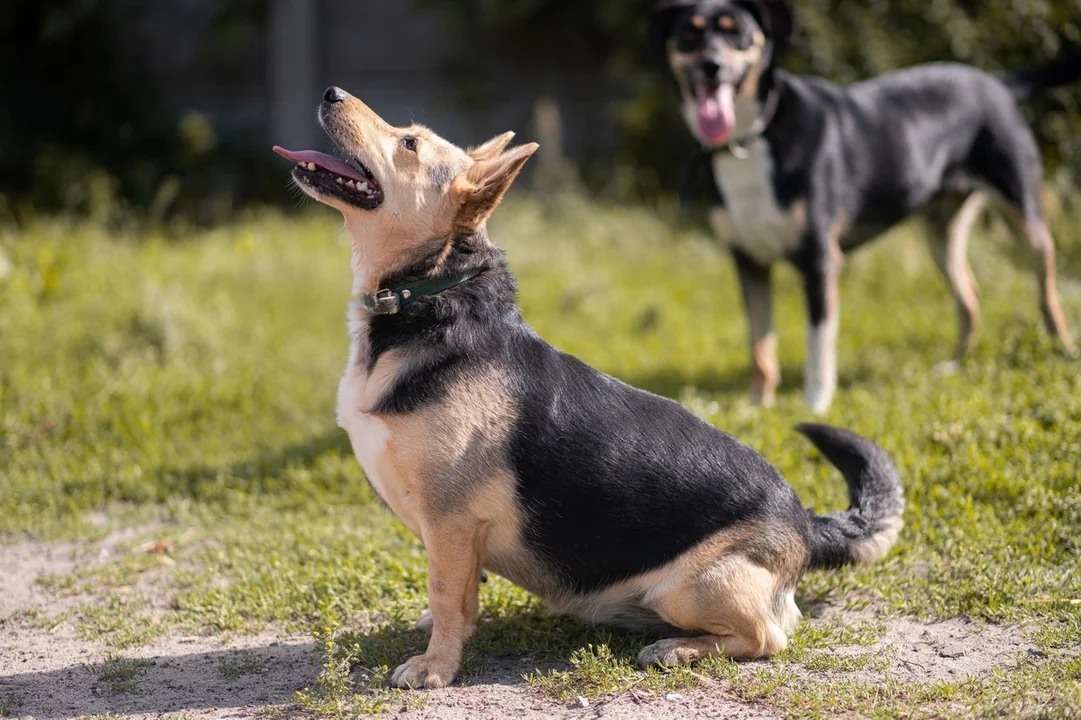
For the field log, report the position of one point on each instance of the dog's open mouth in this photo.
(328, 175)
(716, 110)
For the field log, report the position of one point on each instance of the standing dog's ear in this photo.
(660, 24)
(480, 188)
(775, 18)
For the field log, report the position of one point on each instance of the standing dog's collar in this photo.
(390, 301)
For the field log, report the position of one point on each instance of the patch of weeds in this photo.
(119, 673)
(593, 670)
(242, 663)
(38, 618)
(60, 585)
(1059, 633)
(596, 670)
(830, 635)
(119, 621)
(9, 704)
(337, 695)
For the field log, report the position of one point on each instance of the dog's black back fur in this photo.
(880, 150)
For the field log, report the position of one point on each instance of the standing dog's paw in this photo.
(424, 622)
(422, 671)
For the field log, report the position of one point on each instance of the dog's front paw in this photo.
(423, 671)
(424, 622)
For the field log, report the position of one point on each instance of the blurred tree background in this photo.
(85, 128)
(81, 123)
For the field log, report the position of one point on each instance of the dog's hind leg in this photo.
(1009, 161)
(737, 605)
(948, 240)
(1033, 232)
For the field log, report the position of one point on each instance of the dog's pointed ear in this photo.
(662, 16)
(479, 190)
(491, 148)
(775, 17)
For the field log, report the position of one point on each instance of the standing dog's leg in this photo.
(821, 267)
(1042, 245)
(1030, 228)
(949, 247)
(454, 567)
(754, 281)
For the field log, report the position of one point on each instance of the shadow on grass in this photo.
(264, 472)
(504, 647)
(671, 382)
(166, 683)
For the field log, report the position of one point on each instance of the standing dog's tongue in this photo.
(716, 112)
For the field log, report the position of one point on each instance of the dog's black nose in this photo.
(334, 94)
(709, 68)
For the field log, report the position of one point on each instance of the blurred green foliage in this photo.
(85, 129)
(842, 40)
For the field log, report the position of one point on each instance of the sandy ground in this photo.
(50, 672)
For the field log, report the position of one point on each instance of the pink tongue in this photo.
(327, 162)
(716, 113)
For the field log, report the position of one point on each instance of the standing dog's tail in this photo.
(1063, 70)
(867, 530)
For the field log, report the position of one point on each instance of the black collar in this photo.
(389, 301)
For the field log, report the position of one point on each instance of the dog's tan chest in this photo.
(374, 446)
(752, 221)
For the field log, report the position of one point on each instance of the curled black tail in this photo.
(867, 530)
(1063, 70)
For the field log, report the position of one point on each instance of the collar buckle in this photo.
(385, 302)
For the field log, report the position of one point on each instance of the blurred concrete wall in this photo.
(267, 79)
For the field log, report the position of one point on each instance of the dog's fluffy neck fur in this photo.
(490, 297)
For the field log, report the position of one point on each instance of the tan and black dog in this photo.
(806, 170)
(502, 453)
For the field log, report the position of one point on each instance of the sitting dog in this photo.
(501, 453)
(806, 170)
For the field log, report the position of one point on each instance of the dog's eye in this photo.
(689, 39)
(409, 143)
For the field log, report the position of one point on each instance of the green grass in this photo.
(9, 704)
(119, 673)
(189, 385)
(243, 663)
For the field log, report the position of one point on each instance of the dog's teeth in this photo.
(349, 184)
(339, 181)
(311, 166)
(362, 186)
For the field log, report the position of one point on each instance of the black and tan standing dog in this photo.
(806, 170)
(501, 452)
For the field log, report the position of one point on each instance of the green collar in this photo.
(390, 301)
